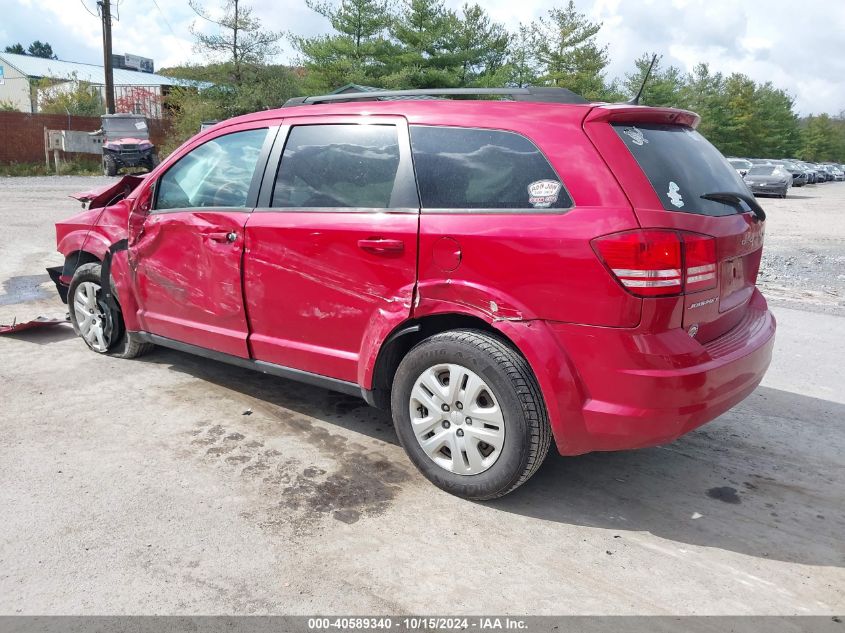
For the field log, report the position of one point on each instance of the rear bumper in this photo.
(641, 389)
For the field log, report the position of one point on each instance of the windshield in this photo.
(682, 166)
(125, 127)
(762, 170)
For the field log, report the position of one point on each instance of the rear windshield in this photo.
(682, 166)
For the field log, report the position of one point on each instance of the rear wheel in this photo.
(469, 413)
(100, 326)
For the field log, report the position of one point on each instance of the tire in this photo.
(151, 162)
(109, 165)
(508, 400)
(85, 305)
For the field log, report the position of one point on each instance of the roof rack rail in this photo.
(544, 95)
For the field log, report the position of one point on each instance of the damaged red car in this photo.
(498, 274)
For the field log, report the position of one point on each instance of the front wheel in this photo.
(469, 413)
(109, 165)
(100, 326)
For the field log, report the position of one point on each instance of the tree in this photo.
(568, 53)
(663, 88)
(479, 46)
(17, 49)
(819, 140)
(522, 57)
(357, 52)
(69, 97)
(239, 40)
(742, 130)
(41, 49)
(774, 109)
(423, 31)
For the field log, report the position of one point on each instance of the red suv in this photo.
(496, 273)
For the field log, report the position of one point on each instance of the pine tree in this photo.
(522, 69)
(479, 47)
(568, 53)
(41, 49)
(357, 52)
(240, 40)
(424, 32)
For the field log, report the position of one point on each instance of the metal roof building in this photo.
(136, 92)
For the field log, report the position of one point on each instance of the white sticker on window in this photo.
(636, 134)
(141, 125)
(674, 195)
(543, 193)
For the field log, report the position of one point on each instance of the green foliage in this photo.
(419, 44)
(261, 88)
(823, 139)
(357, 52)
(41, 49)
(239, 39)
(523, 67)
(242, 81)
(7, 106)
(424, 35)
(36, 49)
(663, 87)
(74, 96)
(569, 57)
(76, 167)
(425, 44)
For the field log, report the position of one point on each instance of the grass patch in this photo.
(68, 168)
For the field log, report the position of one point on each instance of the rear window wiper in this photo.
(734, 197)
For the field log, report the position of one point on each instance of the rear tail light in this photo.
(658, 262)
(699, 262)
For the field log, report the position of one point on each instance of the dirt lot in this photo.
(145, 487)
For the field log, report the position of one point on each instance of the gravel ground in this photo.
(804, 253)
(140, 487)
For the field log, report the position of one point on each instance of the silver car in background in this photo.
(773, 180)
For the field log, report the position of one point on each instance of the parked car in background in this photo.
(809, 171)
(773, 180)
(823, 173)
(799, 177)
(741, 165)
(447, 261)
(838, 174)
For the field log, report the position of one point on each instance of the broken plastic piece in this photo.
(28, 325)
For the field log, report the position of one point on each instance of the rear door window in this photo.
(468, 168)
(338, 166)
(682, 166)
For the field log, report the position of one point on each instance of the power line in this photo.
(85, 6)
(164, 17)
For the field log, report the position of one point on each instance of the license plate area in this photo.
(735, 284)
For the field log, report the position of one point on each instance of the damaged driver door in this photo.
(187, 255)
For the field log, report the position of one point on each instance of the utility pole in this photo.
(105, 14)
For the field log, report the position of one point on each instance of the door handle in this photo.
(381, 245)
(222, 236)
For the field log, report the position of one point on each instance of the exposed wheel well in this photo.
(403, 338)
(76, 259)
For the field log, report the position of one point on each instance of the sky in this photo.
(797, 45)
